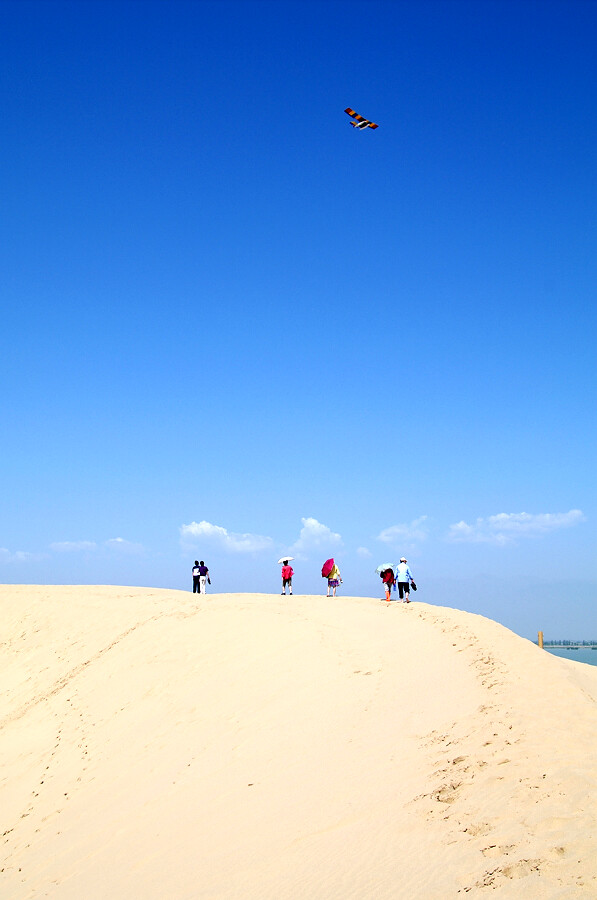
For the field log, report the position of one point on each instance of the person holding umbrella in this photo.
(334, 579)
(287, 573)
(386, 573)
(331, 571)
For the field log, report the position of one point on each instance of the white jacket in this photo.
(403, 573)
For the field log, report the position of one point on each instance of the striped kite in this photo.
(359, 121)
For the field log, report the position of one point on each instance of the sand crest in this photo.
(156, 744)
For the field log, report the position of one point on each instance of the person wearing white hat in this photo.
(404, 578)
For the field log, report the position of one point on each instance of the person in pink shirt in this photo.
(287, 574)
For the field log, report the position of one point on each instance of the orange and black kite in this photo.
(359, 121)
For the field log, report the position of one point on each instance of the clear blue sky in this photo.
(233, 326)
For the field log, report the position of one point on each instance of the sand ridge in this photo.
(159, 744)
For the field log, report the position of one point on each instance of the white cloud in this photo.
(524, 523)
(72, 546)
(460, 531)
(315, 535)
(416, 531)
(122, 546)
(503, 528)
(19, 556)
(236, 543)
(364, 552)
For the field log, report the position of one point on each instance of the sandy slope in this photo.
(159, 745)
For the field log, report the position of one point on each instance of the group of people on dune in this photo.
(200, 577)
(329, 570)
(392, 576)
(401, 577)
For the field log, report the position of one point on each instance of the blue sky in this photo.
(233, 326)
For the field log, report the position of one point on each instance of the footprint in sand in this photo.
(495, 850)
(478, 829)
(522, 868)
(448, 793)
(519, 869)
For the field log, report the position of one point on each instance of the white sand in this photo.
(155, 744)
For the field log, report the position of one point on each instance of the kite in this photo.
(359, 121)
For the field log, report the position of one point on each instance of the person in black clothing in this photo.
(196, 575)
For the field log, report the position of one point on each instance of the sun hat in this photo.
(402, 559)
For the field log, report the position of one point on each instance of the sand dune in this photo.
(160, 745)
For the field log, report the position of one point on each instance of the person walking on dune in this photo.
(404, 578)
(334, 579)
(203, 577)
(196, 577)
(287, 573)
(387, 576)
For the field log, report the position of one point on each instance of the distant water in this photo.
(584, 655)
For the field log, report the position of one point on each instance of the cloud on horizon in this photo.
(19, 556)
(416, 531)
(72, 546)
(504, 528)
(228, 540)
(118, 544)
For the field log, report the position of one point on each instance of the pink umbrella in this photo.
(327, 568)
